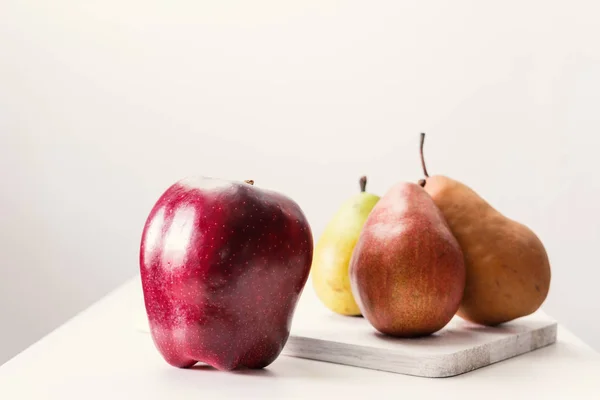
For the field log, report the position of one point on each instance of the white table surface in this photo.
(100, 355)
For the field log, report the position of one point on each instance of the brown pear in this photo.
(508, 271)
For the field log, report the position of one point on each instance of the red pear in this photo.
(407, 271)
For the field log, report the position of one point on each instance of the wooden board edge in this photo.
(494, 352)
(434, 366)
(349, 355)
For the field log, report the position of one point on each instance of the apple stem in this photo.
(249, 182)
(363, 183)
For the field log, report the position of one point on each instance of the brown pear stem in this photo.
(422, 157)
(422, 182)
(363, 183)
(249, 182)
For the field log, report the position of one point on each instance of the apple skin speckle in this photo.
(221, 286)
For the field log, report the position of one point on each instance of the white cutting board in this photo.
(318, 334)
(460, 347)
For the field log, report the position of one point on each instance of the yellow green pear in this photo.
(334, 249)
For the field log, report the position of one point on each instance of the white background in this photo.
(103, 104)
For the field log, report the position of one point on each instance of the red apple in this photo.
(223, 264)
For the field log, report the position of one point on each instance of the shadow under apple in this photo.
(265, 372)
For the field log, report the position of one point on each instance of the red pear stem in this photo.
(249, 182)
(363, 183)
